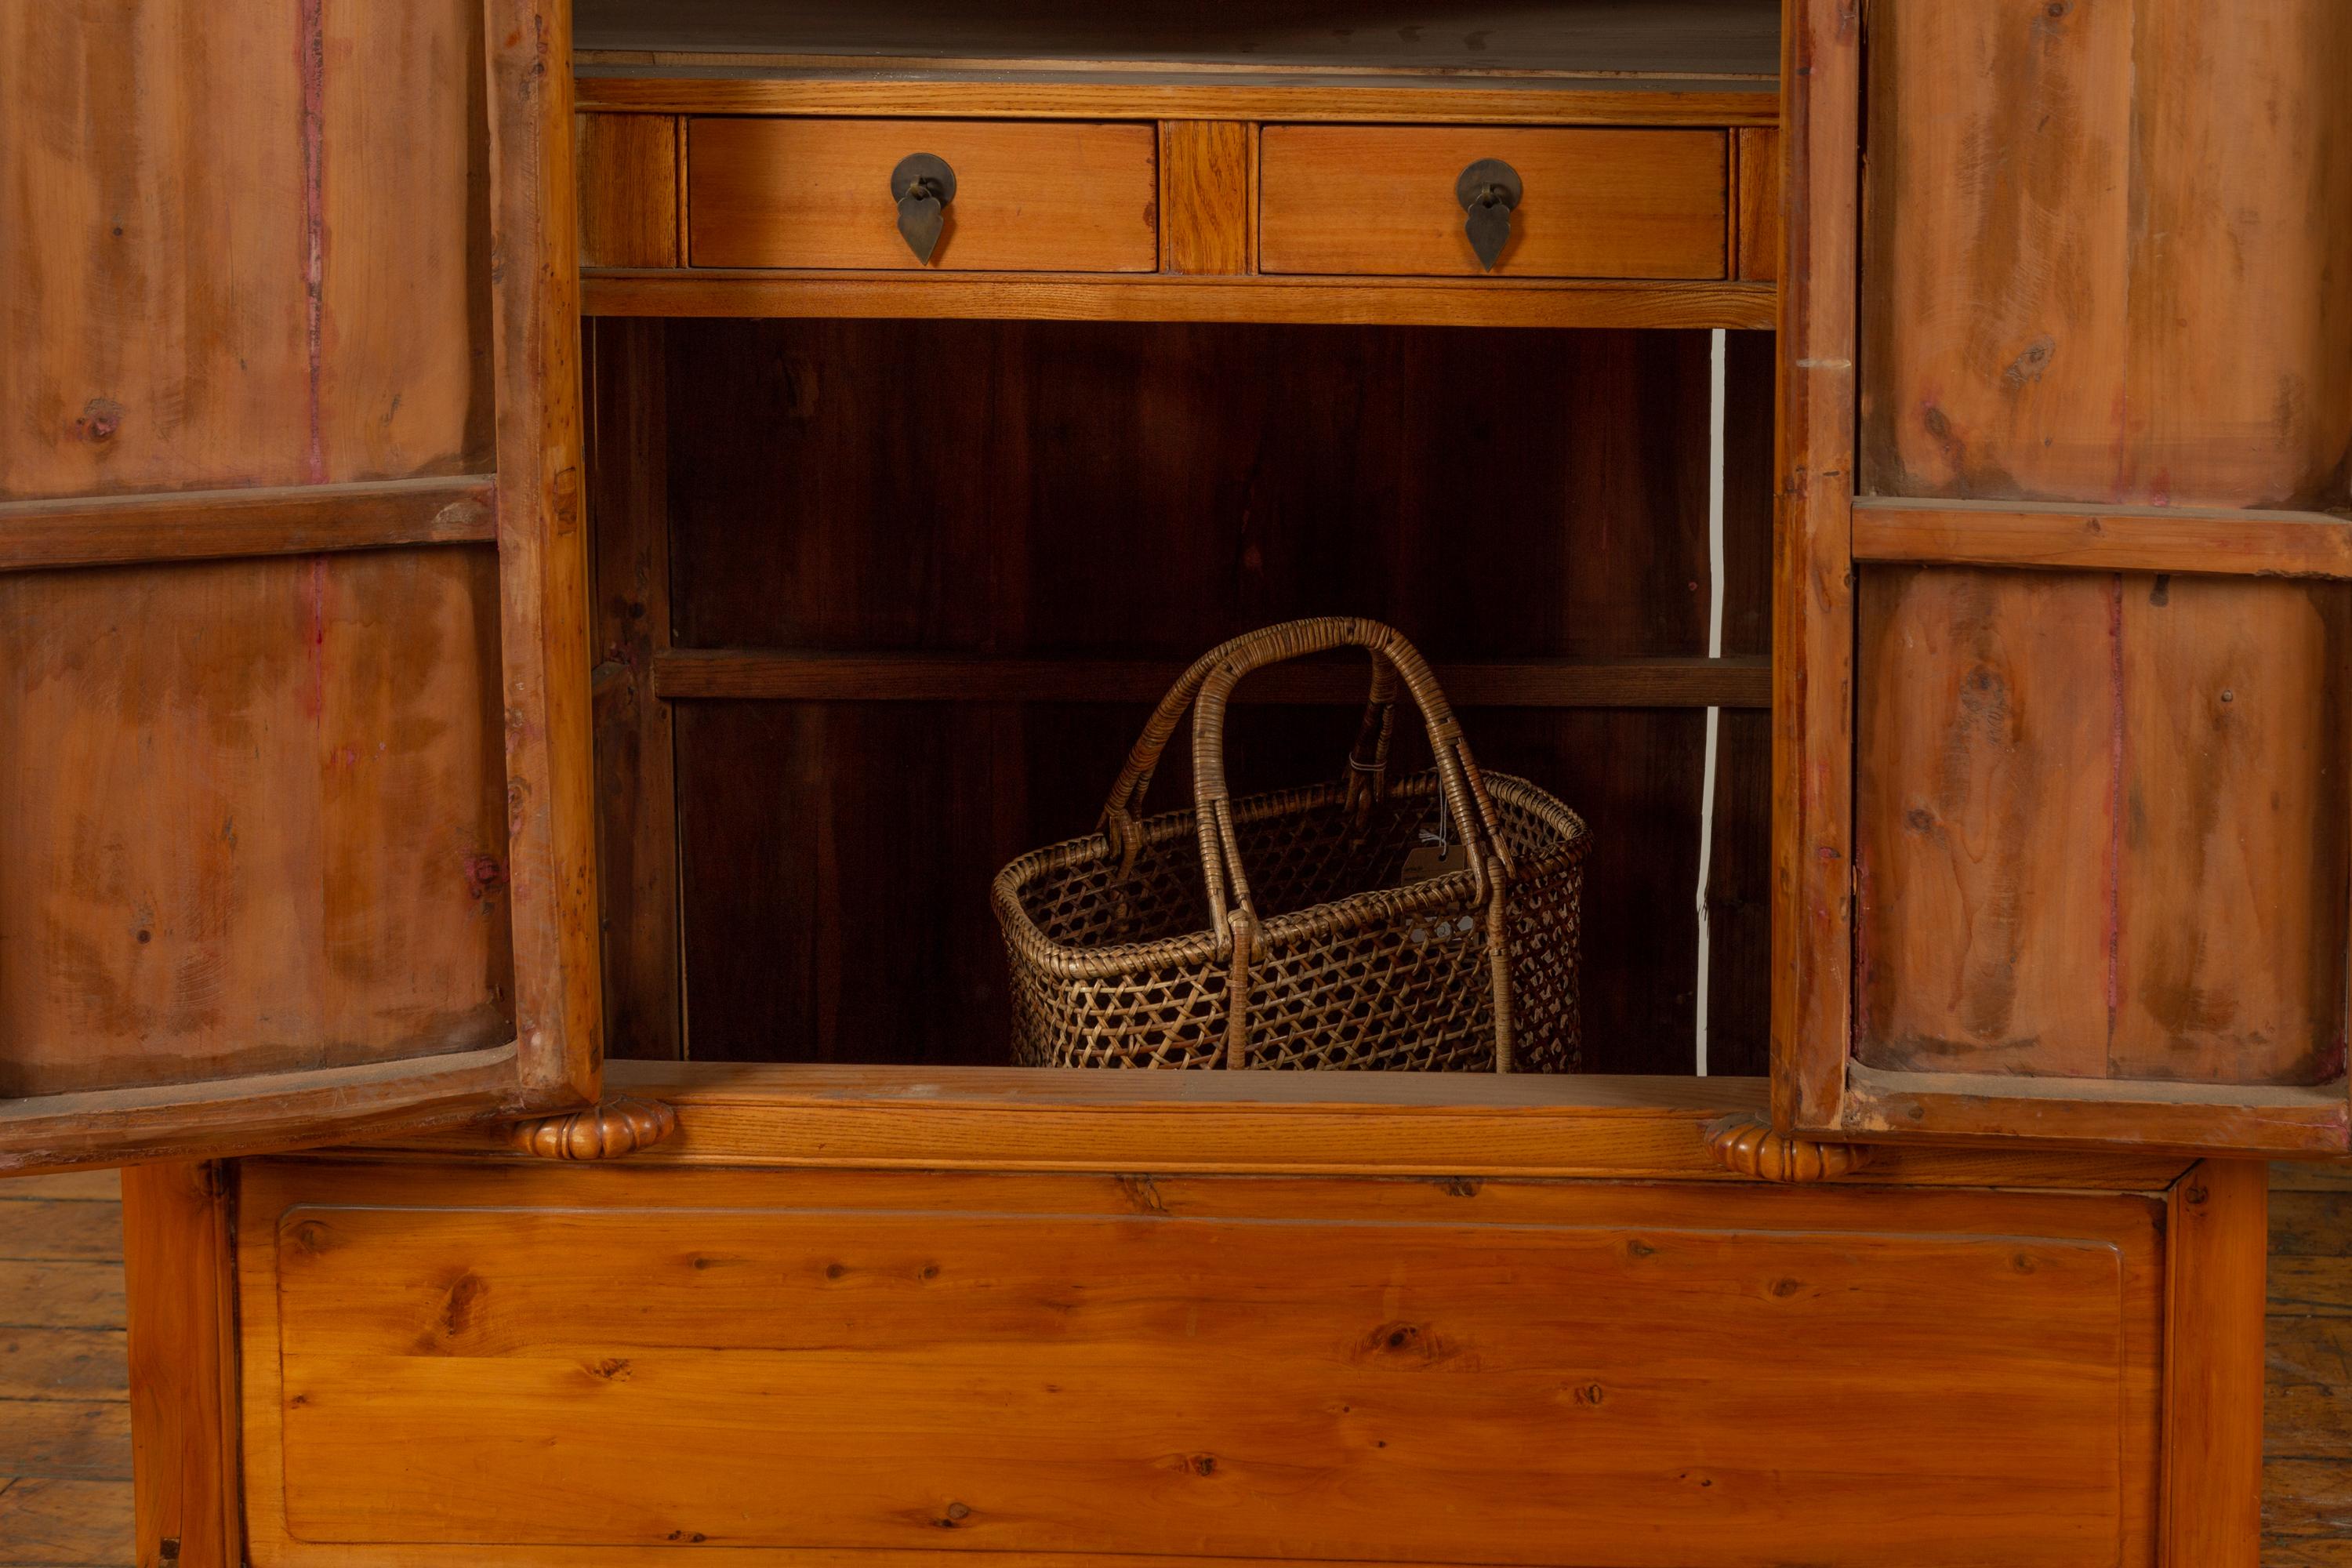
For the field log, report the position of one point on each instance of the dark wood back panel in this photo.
(1137, 491)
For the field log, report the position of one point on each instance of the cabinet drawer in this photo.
(1596, 204)
(1029, 197)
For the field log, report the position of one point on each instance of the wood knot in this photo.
(1748, 1146)
(606, 1131)
(100, 419)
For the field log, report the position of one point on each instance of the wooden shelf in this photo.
(606, 85)
(703, 674)
(1733, 41)
(1157, 297)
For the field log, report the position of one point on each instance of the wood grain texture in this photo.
(628, 178)
(1678, 38)
(2306, 1393)
(636, 800)
(2200, 540)
(544, 636)
(1755, 158)
(1070, 197)
(397, 210)
(183, 1329)
(2102, 827)
(1598, 203)
(276, 831)
(687, 674)
(616, 82)
(154, 250)
(65, 1232)
(1208, 196)
(1812, 593)
(1410, 1319)
(52, 1523)
(64, 1295)
(812, 1117)
(2139, 306)
(61, 1364)
(253, 837)
(1121, 297)
(2216, 1241)
(288, 520)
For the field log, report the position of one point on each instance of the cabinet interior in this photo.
(883, 603)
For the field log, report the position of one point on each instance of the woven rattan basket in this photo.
(1284, 930)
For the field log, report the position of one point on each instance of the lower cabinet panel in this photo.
(581, 1365)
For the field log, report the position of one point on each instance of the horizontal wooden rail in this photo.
(291, 519)
(692, 674)
(1163, 297)
(2102, 538)
(640, 82)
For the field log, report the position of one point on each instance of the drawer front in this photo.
(1378, 199)
(615, 1360)
(1029, 197)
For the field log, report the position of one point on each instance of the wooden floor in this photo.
(64, 1424)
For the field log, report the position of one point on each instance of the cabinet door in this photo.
(294, 811)
(2066, 584)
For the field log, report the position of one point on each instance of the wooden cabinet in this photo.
(1590, 1333)
(384, 745)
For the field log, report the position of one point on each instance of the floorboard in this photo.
(2308, 1396)
(65, 1412)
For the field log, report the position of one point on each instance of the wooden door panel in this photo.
(2102, 821)
(808, 1363)
(247, 834)
(2103, 253)
(288, 638)
(2095, 849)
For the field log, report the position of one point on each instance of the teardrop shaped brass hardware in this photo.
(1488, 190)
(922, 185)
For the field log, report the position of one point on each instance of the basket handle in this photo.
(1368, 759)
(1463, 789)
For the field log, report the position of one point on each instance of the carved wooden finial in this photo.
(1748, 1145)
(606, 1131)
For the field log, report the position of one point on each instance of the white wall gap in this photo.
(1716, 350)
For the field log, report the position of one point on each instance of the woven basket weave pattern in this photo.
(1351, 968)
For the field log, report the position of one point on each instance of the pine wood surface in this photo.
(290, 813)
(1813, 567)
(1029, 197)
(1680, 38)
(1208, 196)
(711, 85)
(62, 1324)
(1166, 296)
(2207, 540)
(2143, 307)
(627, 169)
(1381, 200)
(1451, 1287)
(2101, 830)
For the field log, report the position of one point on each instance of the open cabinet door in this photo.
(2064, 616)
(294, 835)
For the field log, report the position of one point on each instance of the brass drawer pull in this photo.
(922, 185)
(1488, 190)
